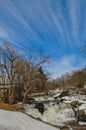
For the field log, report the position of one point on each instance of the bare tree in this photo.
(8, 59)
(35, 60)
(22, 71)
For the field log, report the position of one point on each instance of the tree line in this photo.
(74, 79)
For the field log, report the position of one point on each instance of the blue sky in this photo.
(56, 26)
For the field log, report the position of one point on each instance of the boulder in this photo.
(64, 93)
(75, 103)
(81, 115)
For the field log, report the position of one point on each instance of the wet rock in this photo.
(40, 107)
(81, 115)
(75, 103)
(30, 100)
(64, 93)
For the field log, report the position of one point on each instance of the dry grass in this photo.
(6, 106)
(64, 128)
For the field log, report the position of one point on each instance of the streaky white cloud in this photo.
(17, 15)
(75, 13)
(19, 20)
(57, 22)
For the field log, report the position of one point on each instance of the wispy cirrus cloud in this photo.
(54, 22)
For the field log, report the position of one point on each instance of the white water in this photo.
(56, 114)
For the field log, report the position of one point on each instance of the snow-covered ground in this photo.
(19, 121)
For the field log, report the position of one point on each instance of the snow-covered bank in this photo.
(19, 121)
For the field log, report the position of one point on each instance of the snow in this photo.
(44, 98)
(78, 97)
(56, 95)
(19, 121)
(82, 107)
(82, 123)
